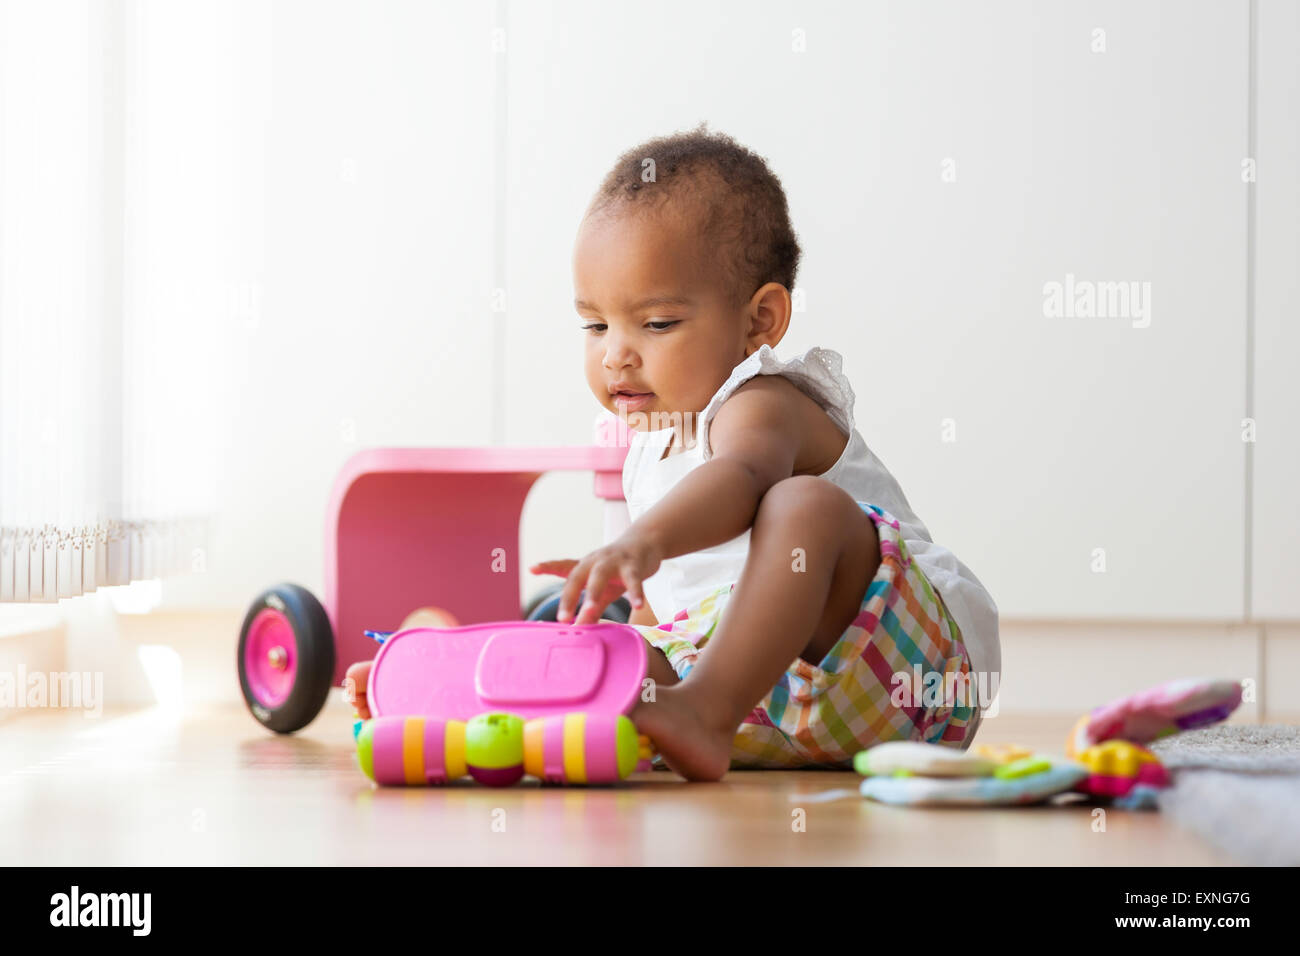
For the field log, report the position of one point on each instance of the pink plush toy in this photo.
(1168, 708)
(1117, 766)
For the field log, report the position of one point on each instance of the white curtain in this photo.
(113, 291)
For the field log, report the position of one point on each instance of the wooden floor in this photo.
(214, 787)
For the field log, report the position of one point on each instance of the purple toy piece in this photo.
(529, 668)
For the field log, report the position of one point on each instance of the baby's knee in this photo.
(808, 501)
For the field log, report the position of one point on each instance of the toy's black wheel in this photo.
(545, 594)
(619, 611)
(546, 610)
(286, 658)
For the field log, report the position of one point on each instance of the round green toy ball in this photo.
(494, 748)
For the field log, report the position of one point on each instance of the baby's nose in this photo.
(618, 356)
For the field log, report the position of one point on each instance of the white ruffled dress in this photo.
(685, 579)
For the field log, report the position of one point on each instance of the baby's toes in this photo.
(359, 675)
(354, 687)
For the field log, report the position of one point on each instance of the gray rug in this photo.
(1238, 787)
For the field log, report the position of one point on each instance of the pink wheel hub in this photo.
(270, 658)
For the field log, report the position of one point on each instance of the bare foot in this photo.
(354, 687)
(691, 743)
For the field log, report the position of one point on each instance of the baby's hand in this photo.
(606, 573)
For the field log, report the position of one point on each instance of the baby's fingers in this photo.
(560, 566)
(632, 580)
(598, 583)
(569, 593)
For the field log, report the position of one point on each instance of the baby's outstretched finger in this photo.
(589, 612)
(568, 598)
(561, 567)
(635, 593)
(597, 582)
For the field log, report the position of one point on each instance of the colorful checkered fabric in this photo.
(861, 694)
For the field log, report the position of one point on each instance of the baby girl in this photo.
(789, 594)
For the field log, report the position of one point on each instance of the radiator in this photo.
(44, 564)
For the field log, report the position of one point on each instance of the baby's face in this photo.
(656, 316)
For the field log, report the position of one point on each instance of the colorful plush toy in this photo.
(912, 757)
(921, 774)
(1104, 755)
(1168, 708)
(1117, 766)
(1004, 753)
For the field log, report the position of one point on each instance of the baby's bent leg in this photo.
(660, 671)
(812, 554)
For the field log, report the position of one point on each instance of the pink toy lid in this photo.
(530, 668)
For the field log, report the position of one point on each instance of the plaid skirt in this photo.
(871, 687)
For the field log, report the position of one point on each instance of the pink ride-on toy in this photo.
(408, 528)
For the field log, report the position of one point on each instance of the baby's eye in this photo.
(660, 325)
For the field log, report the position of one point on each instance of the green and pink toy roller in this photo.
(498, 749)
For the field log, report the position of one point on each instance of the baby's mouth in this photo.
(632, 398)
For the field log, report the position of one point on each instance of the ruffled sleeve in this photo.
(818, 373)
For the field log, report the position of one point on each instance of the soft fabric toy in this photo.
(1116, 767)
(1004, 753)
(1059, 775)
(1104, 756)
(910, 772)
(1141, 797)
(922, 759)
(1168, 708)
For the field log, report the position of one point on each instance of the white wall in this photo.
(360, 314)
(370, 248)
(1275, 565)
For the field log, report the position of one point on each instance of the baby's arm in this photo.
(756, 437)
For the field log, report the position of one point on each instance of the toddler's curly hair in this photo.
(739, 202)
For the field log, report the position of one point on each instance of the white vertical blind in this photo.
(110, 293)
